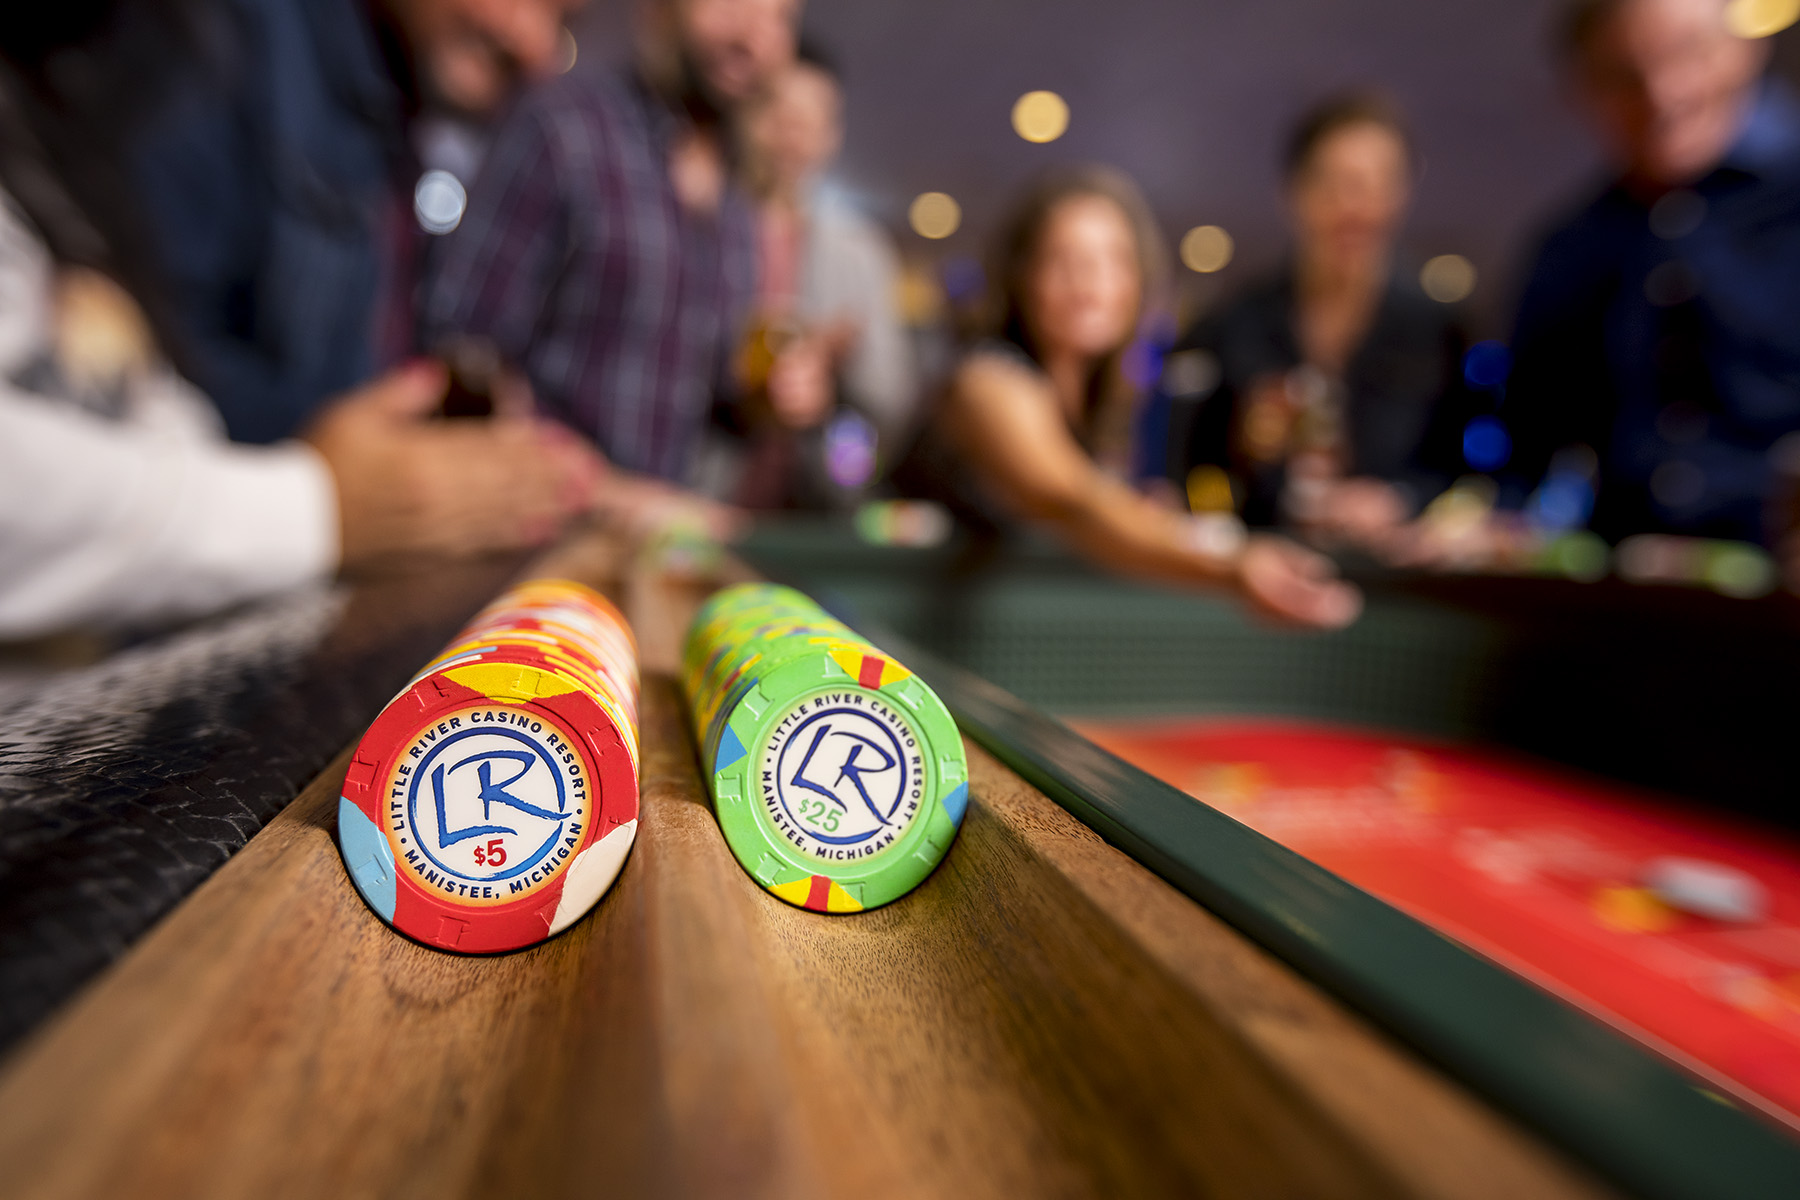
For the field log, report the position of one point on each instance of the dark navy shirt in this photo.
(1665, 336)
(1405, 403)
(268, 179)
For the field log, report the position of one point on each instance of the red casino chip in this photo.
(616, 699)
(490, 805)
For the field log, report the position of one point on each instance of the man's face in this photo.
(732, 49)
(795, 127)
(1350, 196)
(1667, 85)
(472, 54)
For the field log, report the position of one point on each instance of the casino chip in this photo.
(494, 801)
(1707, 889)
(838, 777)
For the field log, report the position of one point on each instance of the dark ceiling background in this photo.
(1193, 98)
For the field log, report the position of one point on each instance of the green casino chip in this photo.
(838, 777)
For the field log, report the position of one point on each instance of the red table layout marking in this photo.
(1591, 891)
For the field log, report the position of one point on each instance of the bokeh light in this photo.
(1448, 278)
(439, 201)
(918, 523)
(1040, 116)
(1206, 248)
(1487, 364)
(566, 52)
(1731, 568)
(964, 279)
(1760, 18)
(1209, 490)
(1581, 556)
(1190, 373)
(1486, 444)
(1743, 571)
(919, 295)
(1141, 363)
(934, 215)
(850, 446)
(1562, 502)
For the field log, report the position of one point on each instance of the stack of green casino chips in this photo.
(838, 777)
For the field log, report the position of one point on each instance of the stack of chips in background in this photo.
(494, 800)
(838, 777)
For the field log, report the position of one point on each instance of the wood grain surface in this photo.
(1041, 1018)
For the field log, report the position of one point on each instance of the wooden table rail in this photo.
(1042, 1018)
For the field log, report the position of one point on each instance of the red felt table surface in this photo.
(1541, 871)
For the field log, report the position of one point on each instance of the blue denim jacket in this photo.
(267, 176)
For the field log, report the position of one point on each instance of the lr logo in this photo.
(490, 794)
(490, 803)
(841, 775)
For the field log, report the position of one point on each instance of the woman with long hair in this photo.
(1035, 419)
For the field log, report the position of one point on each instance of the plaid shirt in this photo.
(576, 260)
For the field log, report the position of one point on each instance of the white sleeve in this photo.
(107, 523)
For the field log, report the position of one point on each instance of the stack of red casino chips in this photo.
(494, 800)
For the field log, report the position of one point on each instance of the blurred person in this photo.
(1035, 421)
(122, 504)
(825, 305)
(606, 247)
(257, 157)
(1657, 345)
(1337, 381)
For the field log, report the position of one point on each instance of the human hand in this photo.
(1458, 531)
(102, 336)
(645, 506)
(1366, 512)
(1290, 582)
(408, 484)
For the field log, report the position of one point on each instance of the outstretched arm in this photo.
(1007, 425)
